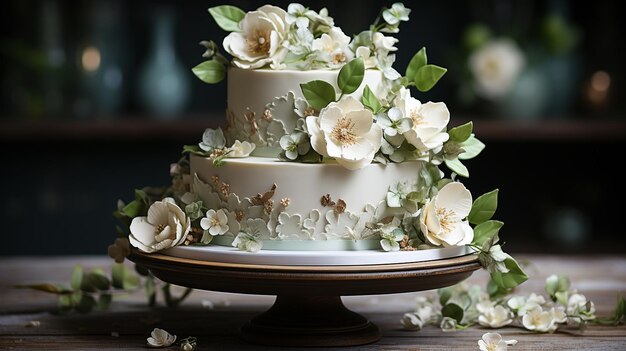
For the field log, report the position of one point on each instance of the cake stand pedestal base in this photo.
(309, 321)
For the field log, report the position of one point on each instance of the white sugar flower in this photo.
(334, 47)
(295, 144)
(241, 149)
(216, 222)
(396, 13)
(495, 67)
(495, 317)
(522, 304)
(260, 41)
(365, 53)
(161, 338)
(579, 306)
(346, 131)
(442, 218)
(394, 122)
(544, 321)
(411, 321)
(247, 242)
(384, 44)
(296, 13)
(165, 226)
(494, 342)
(429, 121)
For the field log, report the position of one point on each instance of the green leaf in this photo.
(486, 231)
(427, 76)
(98, 279)
(457, 167)
(150, 291)
(85, 304)
(472, 147)
(104, 301)
(496, 291)
(133, 209)
(453, 311)
(418, 61)
(210, 71)
(65, 303)
(46, 287)
(227, 17)
(77, 277)
(461, 133)
(370, 100)
(124, 278)
(318, 93)
(351, 76)
(514, 277)
(192, 149)
(484, 207)
(444, 295)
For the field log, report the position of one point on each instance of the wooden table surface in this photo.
(128, 322)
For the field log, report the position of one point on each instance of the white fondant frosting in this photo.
(253, 89)
(303, 183)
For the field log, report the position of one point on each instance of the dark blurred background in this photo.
(97, 99)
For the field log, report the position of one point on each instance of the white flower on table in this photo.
(241, 149)
(581, 308)
(160, 338)
(442, 217)
(429, 121)
(345, 130)
(261, 40)
(522, 304)
(495, 317)
(495, 67)
(448, 324)
(216, 222)
(165, 226)
(544, 321)
(334, 47)
(412, 321)
(494, 342)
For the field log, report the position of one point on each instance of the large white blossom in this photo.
(429, 121)
(442, 219)
(165, 226)
(495, 317)
(542, 320)
(345, 130)
(495, 67)
(261, 40)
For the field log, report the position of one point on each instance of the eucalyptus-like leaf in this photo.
(454, 311)
(150, 291)
(210, 71)
(351, 76)
(370, 100)
(124, 278)
(85, 304)
(77, 277)
(461, 133)
(418, 61)
(514, 277)
(318, 93)
(133, 209)
(457, 167)
(472, 147)
(104, 301)
(227, 17)
(483, 207)
(485, 231)
(427, 76)
(95, 280)
(444, 295)
(46, 287)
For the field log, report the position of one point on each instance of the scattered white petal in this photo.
(161, 338)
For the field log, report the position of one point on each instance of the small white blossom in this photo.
(495, 317)
(411, 321)
(247, 242)
(241, 149)
(160, 338)
(394, 122)
(212, 139)
(295, 144)
(365, 53)
(216, 222)
(543, 321)
(443, 217)
(396, 13)
(522, 304)
(334, 47)
(579, 307)
(494, 342)
(448, 324)
(382, 42)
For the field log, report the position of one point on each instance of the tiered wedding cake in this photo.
(325, 147)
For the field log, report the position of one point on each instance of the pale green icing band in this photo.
(307, 245)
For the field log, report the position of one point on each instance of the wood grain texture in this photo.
(601, 279)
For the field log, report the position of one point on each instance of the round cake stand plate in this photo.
(308, 310)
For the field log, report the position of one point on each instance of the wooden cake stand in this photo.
(308, 310)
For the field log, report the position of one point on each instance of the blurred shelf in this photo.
(188, 129)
